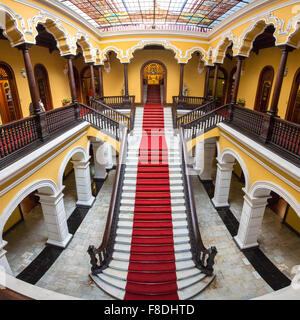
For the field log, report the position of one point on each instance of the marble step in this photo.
(194, 289)
(177, 232)
(133, 176)
(172, 182)
(178, 188)
(174, 202)
(177, 248)
(177, 240)
(122, 256)
(171, 170)
(131, 195)
(175, 209)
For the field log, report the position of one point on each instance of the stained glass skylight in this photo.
(193, 15)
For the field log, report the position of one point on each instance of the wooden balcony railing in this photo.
(202, 257)
(119, 102)
(196, 113)
(282, 136)
(187, 102)
(27, 134)
(111, 113)
(101, 257)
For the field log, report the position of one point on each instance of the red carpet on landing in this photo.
(152, 270)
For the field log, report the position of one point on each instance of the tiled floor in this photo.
(235, 277)
(277, 241)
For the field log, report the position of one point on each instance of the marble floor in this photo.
(235, 276)
(276, 241)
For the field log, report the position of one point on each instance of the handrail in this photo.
(111, 112)
(188, 101)
(196, 113)
(117, 101)
(105, 250)
(208, 121)
(202, 257)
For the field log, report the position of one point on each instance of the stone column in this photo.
(108, 155)
(99, 160)
(181, 80)
(206, 84)
(83, 183)
(92, 79)
(4, 265)
(223, 180)
(55, 218)
(251, 220)
(209, 150)
(101, 94)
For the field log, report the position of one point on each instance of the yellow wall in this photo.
(293, 220)
(13, 219)
(54, 64)
(192, 78)
(252, 67)
(164, 56)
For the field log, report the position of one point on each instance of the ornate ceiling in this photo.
(190, 15)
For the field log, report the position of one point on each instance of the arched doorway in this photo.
(154, 74)
(221, 84)
(231, 85)
(42, 81)
(86, 84)
(264, 89)
(9, 99)
(293, 110)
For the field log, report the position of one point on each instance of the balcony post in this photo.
(71, 78)
(100, 81)
(279, 79)
(206, 84)
(237, 78)
(92, 79)
(34, 94)
(214, 90)
(126, 99)
(180, 95)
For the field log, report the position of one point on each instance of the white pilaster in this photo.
(108, 155)
(222, 186)
(209, 156)
(99, 160)
(251, 220)
(4, 265)
(199, 156)
(83, 183)
(55, 218)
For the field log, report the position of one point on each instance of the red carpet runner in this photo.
(152, 270)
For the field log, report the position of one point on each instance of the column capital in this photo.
(225, 166)
(69, 56)
(24, 46)
(286, 48)
(3, 243)
(256, 202)
(51, 199)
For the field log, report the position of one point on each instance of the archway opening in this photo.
(264, 88)
(10, 109)
(42, 81)
(293, 110)
(153, 82)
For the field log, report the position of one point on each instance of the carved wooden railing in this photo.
(286, 136)
(100, 121)
(18, 134)
(207, 122)
(282, 136)
(196, 113)
(31, 132)
(101, 257)
(202, 257)
(188, 102)
(111, 113)
(118, 101)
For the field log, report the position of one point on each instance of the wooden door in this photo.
(264, 88)
(293, 110)
(41, 78)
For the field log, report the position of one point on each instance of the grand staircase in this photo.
(152, 256)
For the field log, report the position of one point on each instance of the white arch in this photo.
(82, 155)
(269, 185)
(241, 162)
(47, 184)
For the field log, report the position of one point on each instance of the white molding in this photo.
(22, 164)
(8, 210)
(268, 155)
